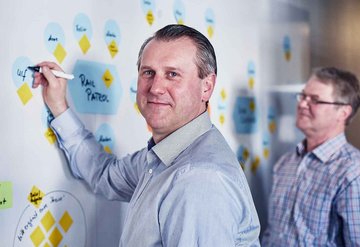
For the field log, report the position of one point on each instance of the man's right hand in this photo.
(53, 88)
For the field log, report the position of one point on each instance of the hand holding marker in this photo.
(55, 72)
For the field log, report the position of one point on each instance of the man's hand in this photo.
(54, 89)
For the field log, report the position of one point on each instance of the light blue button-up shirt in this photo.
(187, 190)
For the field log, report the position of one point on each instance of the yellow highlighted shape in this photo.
(84, 44)
(223, 94)
(287, 56)
(108, 149)
(48, 221)
(107, 78)
(47, 245)
(35, 197)
(150, 17)
(50, 135)
(251, 82)
(210, 31)
(55, 237)
(272, 127)
(37, 236)
(245, 154)
(252, 105)
(180, 22)
(24, 93)
(266, 153)
(136, 107)
(255, 164)
(66, 221)
(222, 118)
(59, 53)
(113, 48)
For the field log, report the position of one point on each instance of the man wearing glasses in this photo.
(315, 198)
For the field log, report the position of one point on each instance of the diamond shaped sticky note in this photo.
(113, 48)
(84, 44)
(150, 17)
(55, 237)
(47, 221)
(272, 127)
(50, 136)
(47, 245)
(37, 236)
(223, 94)
(251, 82)
(66, 221)
(108, 149)
(222, 118)
(210, 31)
(252, 105)
(35, 197)
(180, 22)
(255, 164)
(266, 153)
(24, 93)
(107, 78)
(59, 53)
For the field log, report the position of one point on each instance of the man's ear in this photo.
(345, 112)
(208, 84)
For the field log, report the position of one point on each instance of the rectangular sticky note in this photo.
(6, 195)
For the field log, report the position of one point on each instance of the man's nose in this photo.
(158, 85)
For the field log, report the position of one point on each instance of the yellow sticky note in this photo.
(84, 44)
(24, 93)
(210, 31)
(223, 94)
(266, 153)
(108, 149)
(66, 221)
(35, 197)
(287, 55)
(37, 236)
(55, 237)
(251, 82)
(113, 48)
(255, 164)
(272, 127)
(48, 221)
(136, 107)
(150, 17)
(252, 105)
(59, 53)
(107, 78)
(50, 136)
(180, 22)
(222, 118)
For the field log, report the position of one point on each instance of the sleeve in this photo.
(104, 173)
(348, 208)
(205, 208)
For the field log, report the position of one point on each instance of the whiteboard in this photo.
(98, 41)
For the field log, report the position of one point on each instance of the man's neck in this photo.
(314, 141)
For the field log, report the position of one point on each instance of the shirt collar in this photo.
(325, 150)
(171, 146)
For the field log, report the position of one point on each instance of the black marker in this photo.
(55, 72)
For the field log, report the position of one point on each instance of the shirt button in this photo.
(150, 171)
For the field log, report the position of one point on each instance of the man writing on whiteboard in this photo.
(186, 187)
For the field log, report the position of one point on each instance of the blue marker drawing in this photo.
(81, 26)
(20, 72)
(245, 115)
(179, 11)
(105, 136)
(111, 32)
(96, 88)
(53, 35)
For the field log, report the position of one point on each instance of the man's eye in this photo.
(148, 73)
(173, 74)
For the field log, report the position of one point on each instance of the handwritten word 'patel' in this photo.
(92, 95)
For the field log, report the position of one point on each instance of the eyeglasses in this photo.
(314, 100)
